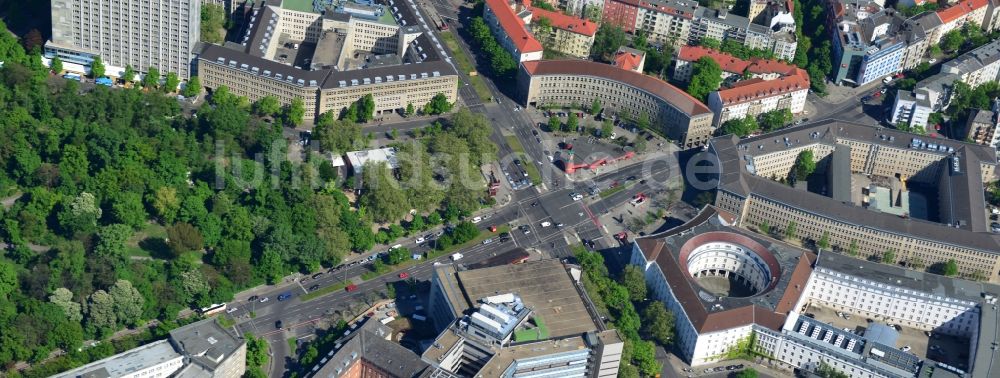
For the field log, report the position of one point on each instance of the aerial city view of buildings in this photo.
(500, 188)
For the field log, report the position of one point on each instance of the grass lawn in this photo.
(298, 5)
(609, 192)
(533, 174)
(323, 291)
(465, 65)
(148, 242)
(291, 346)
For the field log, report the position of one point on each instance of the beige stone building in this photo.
(630, 94)
(565, 34)
(954, 170)
(331, 61)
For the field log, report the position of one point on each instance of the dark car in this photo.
(253, 298)
(285, 296)
(317, 275)
(278, 325)
(313, 287)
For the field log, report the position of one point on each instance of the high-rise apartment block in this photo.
(140, 33)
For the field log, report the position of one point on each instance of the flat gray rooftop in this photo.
(126, 363)
(544, 286)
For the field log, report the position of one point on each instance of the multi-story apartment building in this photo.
(630, 59)
(401, 68)
(957, 170)
(912, 108)
(142, 34)
(868, 44)
(679, 22)
(757, 96)
(976, 67)
(510, 30)
(577, 7)
(627, 93)
(959, 14)
(569, 35)
(200, 349)
(773, 287)
(732, 67)
(981, 127)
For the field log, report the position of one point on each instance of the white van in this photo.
(546, 224)
(457, 256)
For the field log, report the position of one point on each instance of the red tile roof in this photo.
(669, 93)
(754, 89)
(627, 60)
(959, 10)
(733, 64)
(565, 22)
(514, 27)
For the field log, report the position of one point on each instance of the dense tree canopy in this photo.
(706, 77)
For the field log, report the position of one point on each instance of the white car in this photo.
(546, 224)
(263, 299)
(457, 256)
(477, 219)
(231, 310)
(420, 240)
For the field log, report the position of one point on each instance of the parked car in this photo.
(253, 298)
(264, 299)
(313, 287)
(285, 296)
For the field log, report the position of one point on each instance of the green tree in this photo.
(128, 303)
(193, 87)
(775, 119)
(635, 282)
(951, 268)
(607, 41)
(8, 278)
(171, 82)
(554, 123)
(101, 312)
(572, 122)
(398, 255)
(658, 323)
(166, 203)
(765, 227)
(740, 127)
(183, 237)
(409, 109)
(595, 106)
(295, 112)
(382, 195)
(706, 77)
(128, 209)
(439, 104)
(111, 241)
(129, 75)
(790, 230)
(824, 241)
(56, 65)
(889, 256)
(63, 298)
(952, 40)
(366, 108)
(80, 214)
(747, 373)
(711, 43)
(213, 21)
(853, 248)
(804, 165)
(97, 67)
(267, 106)
(151, 80)
(607, 128)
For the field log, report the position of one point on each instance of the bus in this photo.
(213, 309)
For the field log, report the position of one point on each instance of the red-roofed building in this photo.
(510, 31)
(955, 16)
(625, 93)
(566, 34)
(630, 59)
(766, 69)
(757, 96)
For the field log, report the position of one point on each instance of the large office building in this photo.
(163, 34)
(569, 35)
(523, 320)
(945, 223)
(730, 287)
(332, 60)
(201, 349)
(627, 93)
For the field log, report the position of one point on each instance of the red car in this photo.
(352, 287)
(404, 275)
